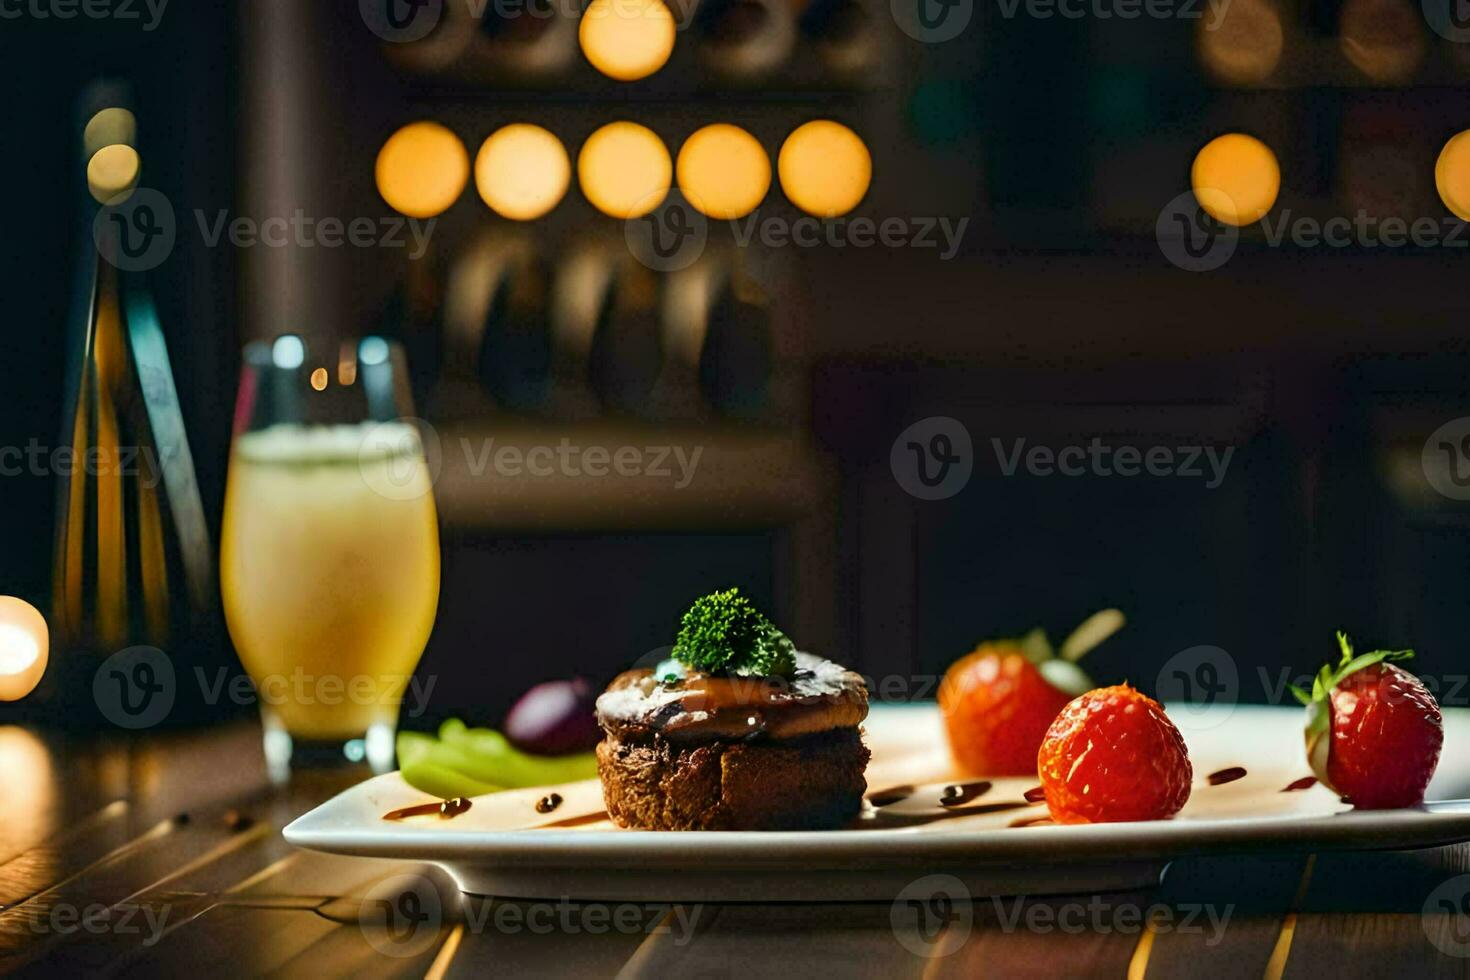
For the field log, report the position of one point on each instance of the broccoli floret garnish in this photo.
(723, 632)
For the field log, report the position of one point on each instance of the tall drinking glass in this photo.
(329, 558)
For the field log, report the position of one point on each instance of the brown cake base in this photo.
(806, 783)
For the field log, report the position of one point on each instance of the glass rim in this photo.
(288, 351)
(362, 379)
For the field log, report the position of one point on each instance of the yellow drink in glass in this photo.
(329, 566)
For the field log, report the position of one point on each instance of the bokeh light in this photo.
(825, 168)
(114, 125)
(1236, 178)
(1384, 39)
(112, 173)
(627, 39)
(1452, 175)
(522, 171)
(288, 352)
(24, 647)
(1244, 47)
(624, 170)
(422, 169)
(373, 351)
(723, 171)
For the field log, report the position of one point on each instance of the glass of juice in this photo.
(329, 556)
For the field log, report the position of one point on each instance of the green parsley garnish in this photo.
(724, 632)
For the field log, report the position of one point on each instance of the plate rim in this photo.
(1434, 824)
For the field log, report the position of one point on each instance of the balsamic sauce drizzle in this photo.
(448, 809)
(892, 795)
(959, 794)
(1224, 776)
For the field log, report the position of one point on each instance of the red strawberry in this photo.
(1113, 755)
(1374, 732)
(998, 700)
(996, 707)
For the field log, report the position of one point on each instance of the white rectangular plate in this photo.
(502, 846)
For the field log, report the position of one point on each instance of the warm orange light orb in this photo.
(1245, 46)
(24, 646)
(522, 171)
(723, 171)
(113, 172)
(825, 168)
(422, 169)
(1384, 39)
(1236, 178)
(627, 39)
(624, 170)
(1452, 175)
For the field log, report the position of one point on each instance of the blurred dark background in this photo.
(1060, 320)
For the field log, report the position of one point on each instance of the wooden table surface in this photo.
(162, 856)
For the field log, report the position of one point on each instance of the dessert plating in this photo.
(738, 732)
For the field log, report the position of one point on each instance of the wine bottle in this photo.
(133, 563)
(515, 354)
(627, 349)
(739, 350)
(745, 39)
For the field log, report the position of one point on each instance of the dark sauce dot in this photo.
(548, 803)
(1306, 782)
(888, 797)
(962, 793)
(444, 808)
(237, 821)
(1226, 776)
(454, 807)
(1035, 795)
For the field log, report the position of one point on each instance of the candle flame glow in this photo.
(24, 643)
